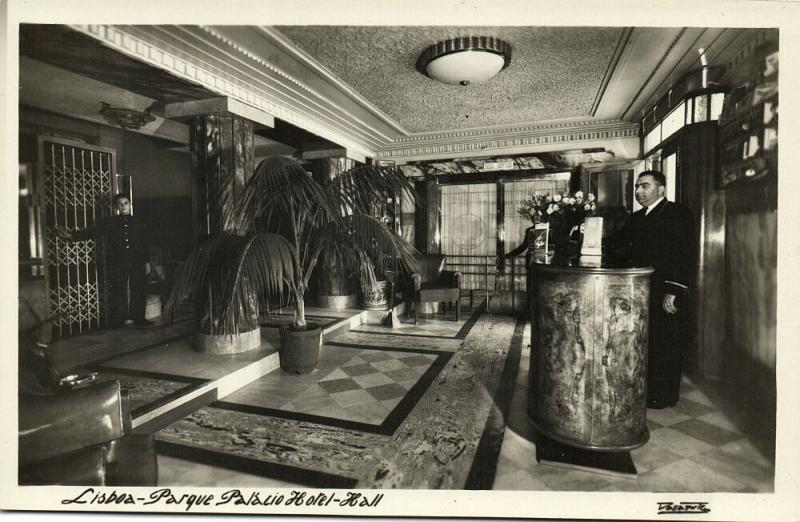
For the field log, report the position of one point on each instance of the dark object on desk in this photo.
(433, 284)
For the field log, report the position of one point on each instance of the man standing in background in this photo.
(661, 235)
(124, 244)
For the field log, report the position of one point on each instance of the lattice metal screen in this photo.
(78, 182)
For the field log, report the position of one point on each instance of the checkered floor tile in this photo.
(351, 384)
(693, 447)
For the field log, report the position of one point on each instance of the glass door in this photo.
(469, 231)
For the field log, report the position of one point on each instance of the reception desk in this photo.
(589, 352)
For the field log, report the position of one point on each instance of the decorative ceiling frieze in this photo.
(203, 61)
(480, 142)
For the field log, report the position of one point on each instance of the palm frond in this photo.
(361, 187)
(279, 188)
(364, 244)
(224, 275)
(265, 262)
(307, 221)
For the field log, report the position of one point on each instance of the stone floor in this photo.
(693, 447)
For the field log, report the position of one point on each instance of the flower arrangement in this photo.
(542, 208)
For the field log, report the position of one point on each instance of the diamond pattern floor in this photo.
(353, 384)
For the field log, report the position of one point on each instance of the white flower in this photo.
(579, 194)
(571, 201)
(590, 197)
(557, 198)
(587, 206)
(550, 209)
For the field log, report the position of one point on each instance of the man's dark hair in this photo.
(658, 176)
(121, 195)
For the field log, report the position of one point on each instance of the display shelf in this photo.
(748, 139)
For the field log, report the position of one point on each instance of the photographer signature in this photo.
(683, 508)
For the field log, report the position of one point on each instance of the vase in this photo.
(376, 297)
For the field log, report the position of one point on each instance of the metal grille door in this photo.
(78, 183)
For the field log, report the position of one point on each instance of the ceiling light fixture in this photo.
(126, 118)
(465, 60)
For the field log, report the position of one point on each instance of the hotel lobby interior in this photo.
(415, 387)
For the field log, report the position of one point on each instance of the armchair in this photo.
(433, 284)
(76, 437)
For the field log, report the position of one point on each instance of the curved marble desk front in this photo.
(589, 352)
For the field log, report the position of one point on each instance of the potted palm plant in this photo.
(301, 218)
(223, 276)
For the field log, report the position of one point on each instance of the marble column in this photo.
(222, 144)
(334, 288)
(223, 159)
(427, 217)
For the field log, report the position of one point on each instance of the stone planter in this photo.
(228, 343)
(299, 351)
(376, 297)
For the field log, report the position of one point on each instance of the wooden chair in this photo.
(433, 284)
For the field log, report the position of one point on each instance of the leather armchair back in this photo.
(57, 424)
(430, 267)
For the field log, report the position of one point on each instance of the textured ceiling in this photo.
(555, 72)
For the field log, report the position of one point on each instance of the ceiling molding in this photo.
(308, 85)
(549, 136)
(720, 45)
(196, 62)
(653, 77)
(260, 67)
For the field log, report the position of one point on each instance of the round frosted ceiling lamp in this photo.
(465, 60)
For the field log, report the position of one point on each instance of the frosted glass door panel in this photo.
(469, 231)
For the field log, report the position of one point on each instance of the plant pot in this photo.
(375, 297)
(299, 351)
(225, 344)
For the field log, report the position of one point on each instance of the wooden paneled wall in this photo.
(697, 158)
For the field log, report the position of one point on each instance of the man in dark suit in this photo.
(661, 235)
